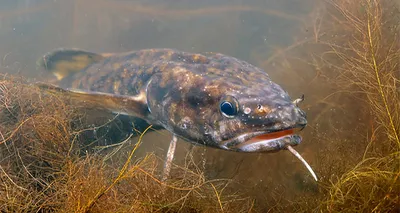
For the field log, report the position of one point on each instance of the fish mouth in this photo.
(264, 141)
(269, 142)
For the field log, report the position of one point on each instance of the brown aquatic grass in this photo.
(35, 140)
(353, 50)
(349, 66)
(366, 51)
(364, 43)
(47, 167)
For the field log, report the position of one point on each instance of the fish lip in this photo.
(270, 145)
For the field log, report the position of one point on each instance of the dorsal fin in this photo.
(64, 62)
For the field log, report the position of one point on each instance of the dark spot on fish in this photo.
(197, 97)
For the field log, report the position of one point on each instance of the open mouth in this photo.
(265, 142)
(270, 142)
(270, 137)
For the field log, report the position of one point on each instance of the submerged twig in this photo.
(290, 148)
(169, 158)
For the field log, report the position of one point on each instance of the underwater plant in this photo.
(47, 166)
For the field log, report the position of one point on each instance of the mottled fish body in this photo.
(209, 99)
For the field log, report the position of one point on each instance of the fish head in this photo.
(231, 107)
(245, 113)
(257, 118)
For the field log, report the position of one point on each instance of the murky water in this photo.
(251, 30)
(257, 31)
(238, 28)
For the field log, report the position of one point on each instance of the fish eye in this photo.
(229, 107)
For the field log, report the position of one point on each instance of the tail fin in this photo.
(64, 62)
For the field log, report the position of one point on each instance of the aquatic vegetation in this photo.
(368, 55)
(45, 168)
(349, 67)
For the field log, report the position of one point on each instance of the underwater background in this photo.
(342, 55)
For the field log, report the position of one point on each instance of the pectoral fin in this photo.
(129, 105)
